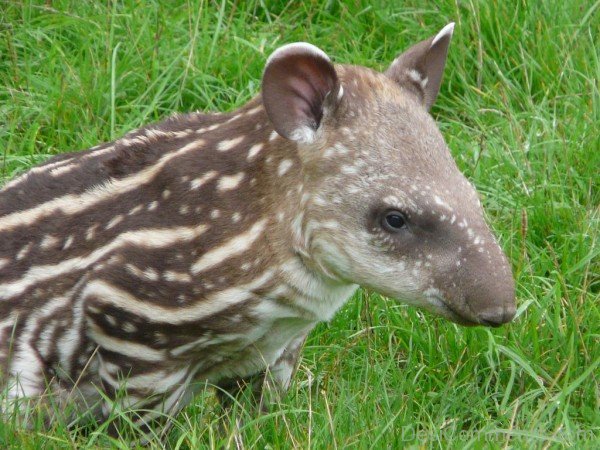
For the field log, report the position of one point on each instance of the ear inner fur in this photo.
(297, 80)
(421, 67)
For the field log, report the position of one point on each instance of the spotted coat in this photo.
(204, 248)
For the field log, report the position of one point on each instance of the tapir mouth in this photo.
(451, 314)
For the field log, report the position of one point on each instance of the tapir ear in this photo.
(299, 86)
(421, 67)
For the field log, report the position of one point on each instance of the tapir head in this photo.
(387, 206)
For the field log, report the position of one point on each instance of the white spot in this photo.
(304, 135)
(349, 170)
(25, 250)
(151, 273)
(439, 201)
(152, 205)
(228, 144)
(254, 150)
(184, 209)
(91, 232)
(417, 78)
(215, 214)
(111, 320)
(135, 210)
(166, 194)
(273, 136)
(181, 277)
(114, 221)
(284, 166)
(48, 241)
(68, 242)
(200, 181)
(229, 182)
(236, 217)
(129, 327)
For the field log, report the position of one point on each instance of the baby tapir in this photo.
(204, 248)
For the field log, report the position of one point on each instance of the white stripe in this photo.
(179, 398)
(51, 166)
(146, 238)
(213, 304)
(234, 246)
(205, 341)
(72, 204)
(160, 381)
(8, 322)
(253, 110)
(69, 343)
(26, 365)
(63, 169)
(126, 348)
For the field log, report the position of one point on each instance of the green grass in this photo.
(520, 109)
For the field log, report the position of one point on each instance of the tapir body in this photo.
(204, 248)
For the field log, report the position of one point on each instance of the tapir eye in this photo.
(394, 221)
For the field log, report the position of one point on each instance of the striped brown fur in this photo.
(205, 247)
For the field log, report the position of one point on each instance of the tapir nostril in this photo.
(497, 316)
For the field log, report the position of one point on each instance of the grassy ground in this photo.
(520, 109)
